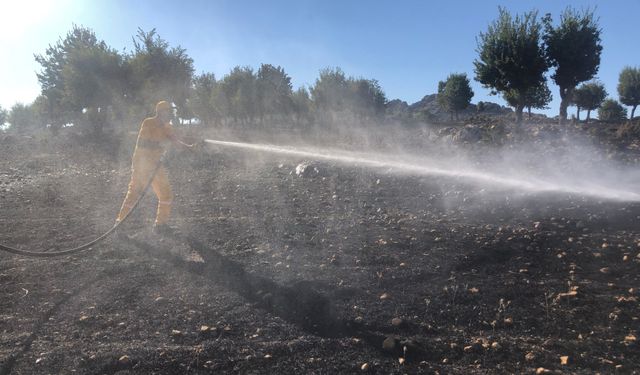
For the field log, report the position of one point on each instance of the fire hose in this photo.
(51, 254)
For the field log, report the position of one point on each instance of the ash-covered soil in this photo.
(343, 270)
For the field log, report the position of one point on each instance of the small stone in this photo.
(389, 343)
(530, 357)
(364, 367)
(401, 360)
(605, 270)
(124, 360)
(385, 296)
(508, 321)
(541, 370)
(496, 345)
(267, 356)
(205, 329)
(564, 360)
(397, 322)
(39, 360)
(175, 332)
(630, 339)
(160, 300)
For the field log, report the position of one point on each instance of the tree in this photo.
(573, 48)
(612, 111)
(511, 58)
(329, 93)
(3, 116)
(629, 88)
(23, 118)
(60, 94)
(366, 98)
(302, 105)
(455, 94)
(93, 79)
(274, 91)
(330, 89)
(238, 93)
(201, 100)
(589, 96)
(157, 72)
(535, 97)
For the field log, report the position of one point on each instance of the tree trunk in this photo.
(529, 112)
(633, 110)
(578, 114)
(565, 98)
(588, 115)
(519, 109)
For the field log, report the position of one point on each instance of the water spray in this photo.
(426, 167)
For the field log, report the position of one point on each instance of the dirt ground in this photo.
(347, 270)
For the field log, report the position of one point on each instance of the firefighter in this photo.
(155, 133)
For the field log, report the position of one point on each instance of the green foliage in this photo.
(202, 99)
(24, 118)
(629, 88)
(274, 90)
(330, 90)
(3, 116)
(362, 99)
(157, 72)
(511, 59)
(589, 96)
(573, 48)
(366, 98)
(455, 93)
(238, 94)
(612, 111)
(535, 97)
(302, 105)
(68, 59)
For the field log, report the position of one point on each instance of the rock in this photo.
(205, 329)
(630, 339)
(305, 169)
(397, 322)
(364, 367)
(389, 344)
(564, 360)
(385, 296)
(496, 345)
(176, 333)
(124, 360)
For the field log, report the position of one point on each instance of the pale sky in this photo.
(408, 46)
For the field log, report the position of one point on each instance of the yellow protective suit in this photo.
(151, 143)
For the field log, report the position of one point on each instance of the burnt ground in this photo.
(342, 271)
